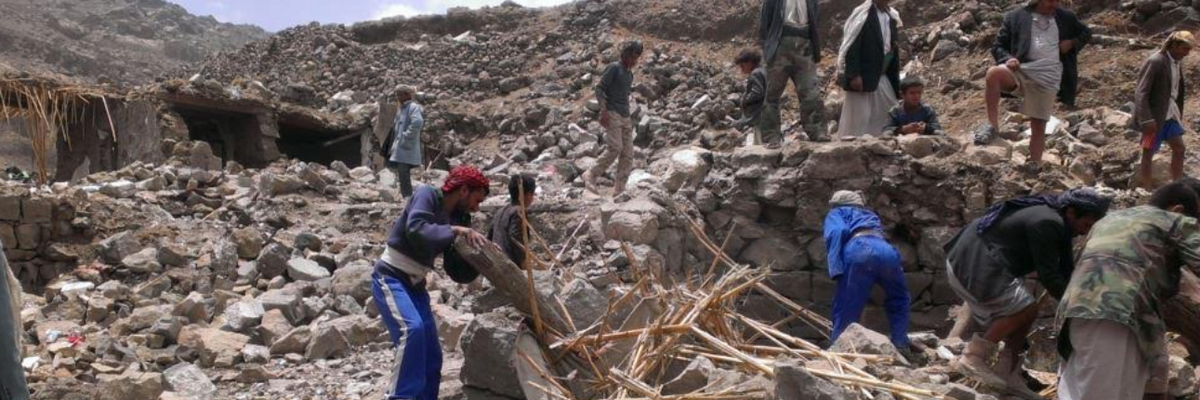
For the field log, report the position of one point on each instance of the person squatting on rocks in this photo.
(859, 258)
(1158, 105)
(1109, 329)
(428, 227)
(403, 146)
(749, 63)
(869, 68)
(986, 266)
(912, 116)
(613, 95)
(508, 231)
(1036, 54)
(787, 30)
(12, 374)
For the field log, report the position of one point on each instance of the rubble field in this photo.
(211, 234)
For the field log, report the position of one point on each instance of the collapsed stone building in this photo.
(211, 235)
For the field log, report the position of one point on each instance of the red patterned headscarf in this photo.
(467, 176)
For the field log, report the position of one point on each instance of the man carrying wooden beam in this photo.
(431, 222)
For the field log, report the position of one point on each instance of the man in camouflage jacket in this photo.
(1110, 330)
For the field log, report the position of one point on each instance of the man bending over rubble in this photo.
(986, 266)
(859, 258)
(508, 231)
(1109, 329)
(12, 375)
(431, 222)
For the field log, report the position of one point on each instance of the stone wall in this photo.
(30, 226)
(767, 207)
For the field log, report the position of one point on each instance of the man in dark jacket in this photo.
(987, 263)
(869, 68)
(787, 30)
(430, 224)
(508, 231)
(1158, 105)
(749, 63)
(1036, 53)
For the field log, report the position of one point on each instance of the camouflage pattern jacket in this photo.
(1131, 264)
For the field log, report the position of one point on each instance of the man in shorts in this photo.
(987, 263)
(1158, 105)
(1034, 51)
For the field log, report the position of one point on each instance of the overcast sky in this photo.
(275, 15)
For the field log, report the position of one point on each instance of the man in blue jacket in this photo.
(429, 226)
(859, 258)
(787, 30)
(403, 146)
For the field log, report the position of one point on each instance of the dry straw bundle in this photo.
(48, 109)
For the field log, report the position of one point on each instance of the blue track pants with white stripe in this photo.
(405, 311)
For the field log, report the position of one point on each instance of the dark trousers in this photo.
(404, 178)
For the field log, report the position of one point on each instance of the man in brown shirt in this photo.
(1158, 105)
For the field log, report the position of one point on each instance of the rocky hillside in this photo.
(124, 41)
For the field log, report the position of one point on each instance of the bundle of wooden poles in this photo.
(696, 318)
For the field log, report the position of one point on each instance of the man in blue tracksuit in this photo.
(431, 222)
(860, 258)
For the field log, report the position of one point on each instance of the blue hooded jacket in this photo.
(840, 225)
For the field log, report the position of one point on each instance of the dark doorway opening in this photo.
(231, 135)
(309, 144)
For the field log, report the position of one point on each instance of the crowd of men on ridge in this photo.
(1111, 337)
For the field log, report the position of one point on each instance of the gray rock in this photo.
(273, 260)
(249, 242)
(294, 342)
(306, 270)
(286, 301)
(119, 189)
(327, 342)
(946, 49)
(186, 379)
(193, 308)
(244, 315)
(143, 262)
(277, 185)
(489, 339)
(256, 354)
(794, 382)
(115, 248)
(353, 280)
(131, 386)
(860, 340)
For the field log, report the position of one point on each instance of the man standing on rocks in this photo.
(869, 68)
(1036, 52)
(508, 230)
(749, 62)
(1109, 328)
(792, 49)
(860, 258)
(987, 263)
(1158, 105)
(431, 222)
(613, 95)
(12, 374)
(403, 146)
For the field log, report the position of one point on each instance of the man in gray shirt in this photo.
(613, 95)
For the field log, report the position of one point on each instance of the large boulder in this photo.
(860, 340)
(215, 347)
(635, 221)
(687, 168)
(353, 280)
(489, 341)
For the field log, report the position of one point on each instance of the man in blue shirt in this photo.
(429, 226)
(403, 146)
(859, 258)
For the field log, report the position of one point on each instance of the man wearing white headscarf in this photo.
(869, 68)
